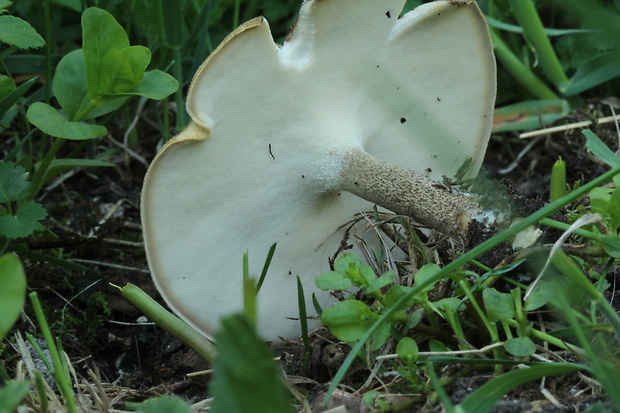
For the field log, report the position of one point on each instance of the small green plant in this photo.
(89, 83)
(20, 216)
(348, 320)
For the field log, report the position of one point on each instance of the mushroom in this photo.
(359, 106)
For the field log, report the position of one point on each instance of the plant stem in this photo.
(173, 325)
(39, 175)
(526, 14)
(519, 71)
(48, 50)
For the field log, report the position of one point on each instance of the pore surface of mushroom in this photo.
(357, 101)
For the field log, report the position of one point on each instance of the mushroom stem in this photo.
(409, 193)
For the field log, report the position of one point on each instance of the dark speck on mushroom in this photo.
(438, 100)
(303, 176)
(403, 120)
(387, 13)
(429, 170)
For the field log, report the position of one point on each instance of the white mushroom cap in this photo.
(266, 156)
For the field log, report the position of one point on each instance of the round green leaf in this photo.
(155, 85)
(333, 280)
(12, 293)
(407, 350)
(499, 306)
(71, 90)
(101, 33)
(520, 346)
(348, 320)
(424, 273)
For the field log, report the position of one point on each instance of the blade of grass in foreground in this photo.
(169, 322)
(462, 260)
(484, 399)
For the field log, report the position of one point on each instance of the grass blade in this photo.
(484, 399)
(526, 14)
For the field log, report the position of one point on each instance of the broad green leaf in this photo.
(155, 85)
(101, 33)
(11, 395)
(528, 115)
(599, 199)
(520, 346)
(351, 266)
(345, 261)
(13, 182)
(413, 320)
(485, 398)
(245, 376)
(612, 245)
(9, 100)
(349, 319)
(437, 346)
(499, 306)
(71, 90)
(380, 336)
(123, 69)
(613, 209)
(395, 292)
(52, 122)
(7, 85)
(424, 273)
(165, 404)
(600, 150)
(12, 293)
(594, 72)
(407, 350)
(19, 33)
(333, 280)
(24, 222)
(541, 295)
(70, 83)
(378, 283)
(4, 4)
